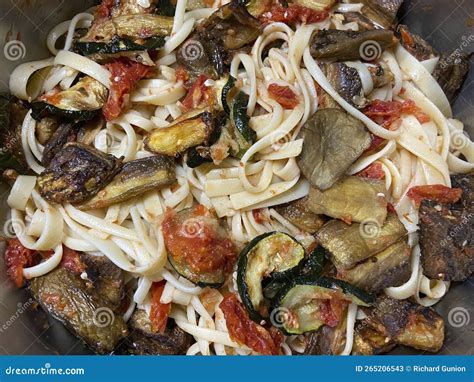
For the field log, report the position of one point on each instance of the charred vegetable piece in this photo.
(327, 340)
(333, 140)
(45, 129)
(367, 341)
(272, 254)
(451, 72)
(190, 130)
(198, 246)
(351, 244)
(353, 199)
(144, 341)
(242, 131)
(383, 12)
(77, 173)
(298, 213)
(225, 94)
(117, 45)
(307, 303)
(415, 44)
(165, 8)
(339, 45)
(66, 132)
(316, 4)
(82, 310)
(81, 102)
(407, 323)
(346, 82)
(89, 130)
(135, 178)
(12, 114)
(389, 268)
(447, 235)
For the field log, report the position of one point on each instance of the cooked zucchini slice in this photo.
(190, 130)
(225, 94)
(302, 300)
(135, 178)
(242, 132)
(117, 45)
(272, 254)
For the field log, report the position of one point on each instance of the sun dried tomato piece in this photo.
(16, 258)
(159, 312)
(435, 192)
(386, 113)
(293, 14)
(71, 261)
(283, 95)
(373, 171)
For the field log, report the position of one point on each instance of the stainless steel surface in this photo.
(446, 24)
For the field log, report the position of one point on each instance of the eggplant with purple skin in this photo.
(77, 173)
(353, 199)
(382, 12)
(135, 178)
(327, 340)
(349, 245)
(66, 132)
(333, 140)
(341, 45)
(143, 341)
(389, 268)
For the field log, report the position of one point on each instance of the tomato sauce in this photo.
(293, 14)
(16, 258)
(283, 95)
(373, 171)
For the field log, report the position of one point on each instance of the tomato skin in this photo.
(104, 9)
(283, 95)
(293, 14)
(159, 312)
(71, 261)
(388, 113)
(199, 95)
(373, 171)
(124, 73)
(16, 258)
(247, 332)
(435, 192)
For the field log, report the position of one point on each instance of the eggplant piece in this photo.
(339, 45)
(66, 297)
(367, 341)
(333, 140)
(346, 82)
(380, 74)
(415, 44)
(353, 199)
(81, 102)
(327, 340)
(301, 301)
(389, 268)
(466, 183)
(143, 341)
(166, 8)
(298, 213)
(135, 178)
(66, 132)
(12, 114)
(190, 130)
(271, 254)
(382, 12)
(407, 323)
(45, 129)
(77, 173)
(89, 130)
(351, 244)
(451, 72)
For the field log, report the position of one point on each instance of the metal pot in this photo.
(24, 25)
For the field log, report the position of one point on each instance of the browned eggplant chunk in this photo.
(45, 129)
(333, 140)
(339, 45)
(466, 183)
(66, 297)
(135, 178)
(367, 341)
(77, 173)
(326, 340)
(190, 130)
(298, 213)
(351, 244)
(407, 323)
(66, 132)
(143, 341)
(389, 268)
(382, 12)
(353, 199)
(451, 72)
(346, 82)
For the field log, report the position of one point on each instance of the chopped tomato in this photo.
(293, 14)
(124, 74)
(387, 113)
(259, 216)
(199, 95)
(196, 238)
(283, 95)
(331, 311)
(159, 312)
(72, 261)
(391, 208)
(435, 192)
(375, 143)
(247, 332)
(182, 74)
(104, 9)
(18, 257)
(373, 171)
(407, 38)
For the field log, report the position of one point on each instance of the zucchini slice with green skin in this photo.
(273, 254)
(117, 45)
(301, 301)
(225, 93)
(244, 135)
